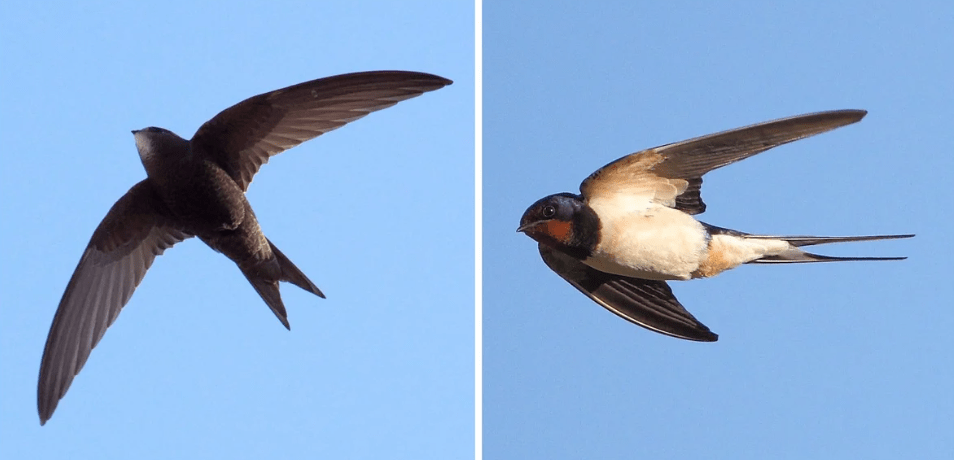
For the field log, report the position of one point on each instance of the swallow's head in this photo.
(562, 221)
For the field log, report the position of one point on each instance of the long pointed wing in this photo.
(122, 248)
(646, 303)
(672, 174)
(243, 137)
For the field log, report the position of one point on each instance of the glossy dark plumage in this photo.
(197, 188)
(631, 229)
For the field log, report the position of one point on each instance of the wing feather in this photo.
(243, 137)
(681, 165)
(646, 303)
(120, 251)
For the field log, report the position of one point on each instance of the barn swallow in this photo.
(197, 188)
(632, 228)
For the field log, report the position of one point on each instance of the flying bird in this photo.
(632, 228)
(197, 188)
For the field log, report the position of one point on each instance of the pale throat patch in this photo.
(145, 147)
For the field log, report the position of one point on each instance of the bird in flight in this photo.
(197, 188)
(633, 229)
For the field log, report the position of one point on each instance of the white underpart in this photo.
(647, 240)
(644, 239)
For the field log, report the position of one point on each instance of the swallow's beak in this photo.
(530, 227)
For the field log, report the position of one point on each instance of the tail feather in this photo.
(799, 241)
(265, 277)
(268, 290)
(293, 275)
(795, 255)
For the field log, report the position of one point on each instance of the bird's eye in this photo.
(549, 211)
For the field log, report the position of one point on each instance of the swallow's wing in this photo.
(672, 174)
(243, 137)
(646, 303)
(122, 248)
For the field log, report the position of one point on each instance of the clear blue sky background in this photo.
(820, 361)
(379, 214)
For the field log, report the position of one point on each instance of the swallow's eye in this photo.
(549, 211)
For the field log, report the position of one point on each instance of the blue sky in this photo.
(849, 360)
(814, 361)
(379, 214)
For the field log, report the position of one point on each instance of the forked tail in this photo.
(263, 278)
(292, 274)
(795, 255)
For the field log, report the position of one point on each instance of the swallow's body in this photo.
(197, 188)
(655, 242)
(632, 229)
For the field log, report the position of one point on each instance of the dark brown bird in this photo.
(197, 188)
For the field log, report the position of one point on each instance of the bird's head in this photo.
(158, 144)
(562, 221)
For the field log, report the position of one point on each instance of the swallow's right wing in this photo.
(646, 303)
(672, 174)
(122, 248)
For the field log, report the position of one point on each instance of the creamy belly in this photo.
(658, 243)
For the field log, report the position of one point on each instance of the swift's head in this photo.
(158, 145)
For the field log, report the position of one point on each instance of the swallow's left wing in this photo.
(646, 303)
(672, 174)
(243, 137)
